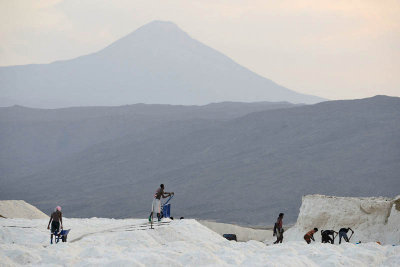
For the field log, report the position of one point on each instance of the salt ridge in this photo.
(20, 209)
(374, 219)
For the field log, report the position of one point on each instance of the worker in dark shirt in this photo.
(56, 222)
(328, 236)
(156, 205)
(343, 233)
(278, 230)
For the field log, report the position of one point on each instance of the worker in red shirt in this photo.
(310, 235)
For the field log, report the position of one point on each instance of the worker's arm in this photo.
(51, 217)
(312, 237)
(351, 230)
(167, 194)
(61, 221)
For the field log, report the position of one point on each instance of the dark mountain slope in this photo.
(32, 138)
(245, 170)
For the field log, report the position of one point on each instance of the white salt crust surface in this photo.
(242, 233)
(110, 242)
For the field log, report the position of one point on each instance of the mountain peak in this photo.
(160, 24)
(158, 28)
(152, 33)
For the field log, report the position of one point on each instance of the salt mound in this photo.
(131, 242)
(20, 209)
(372, 219)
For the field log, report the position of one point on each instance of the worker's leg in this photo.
(158, 208)
(345, 237)
(278, 235)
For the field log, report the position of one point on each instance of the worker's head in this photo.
(316, 229)
(281, 215)
(58, 208)
(162, 186)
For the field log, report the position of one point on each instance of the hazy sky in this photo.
(334, 49)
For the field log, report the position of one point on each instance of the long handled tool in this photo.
(352, 232)
(166, 202)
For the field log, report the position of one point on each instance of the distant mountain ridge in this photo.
(31, 138)
(156, 64)
(245, 169)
